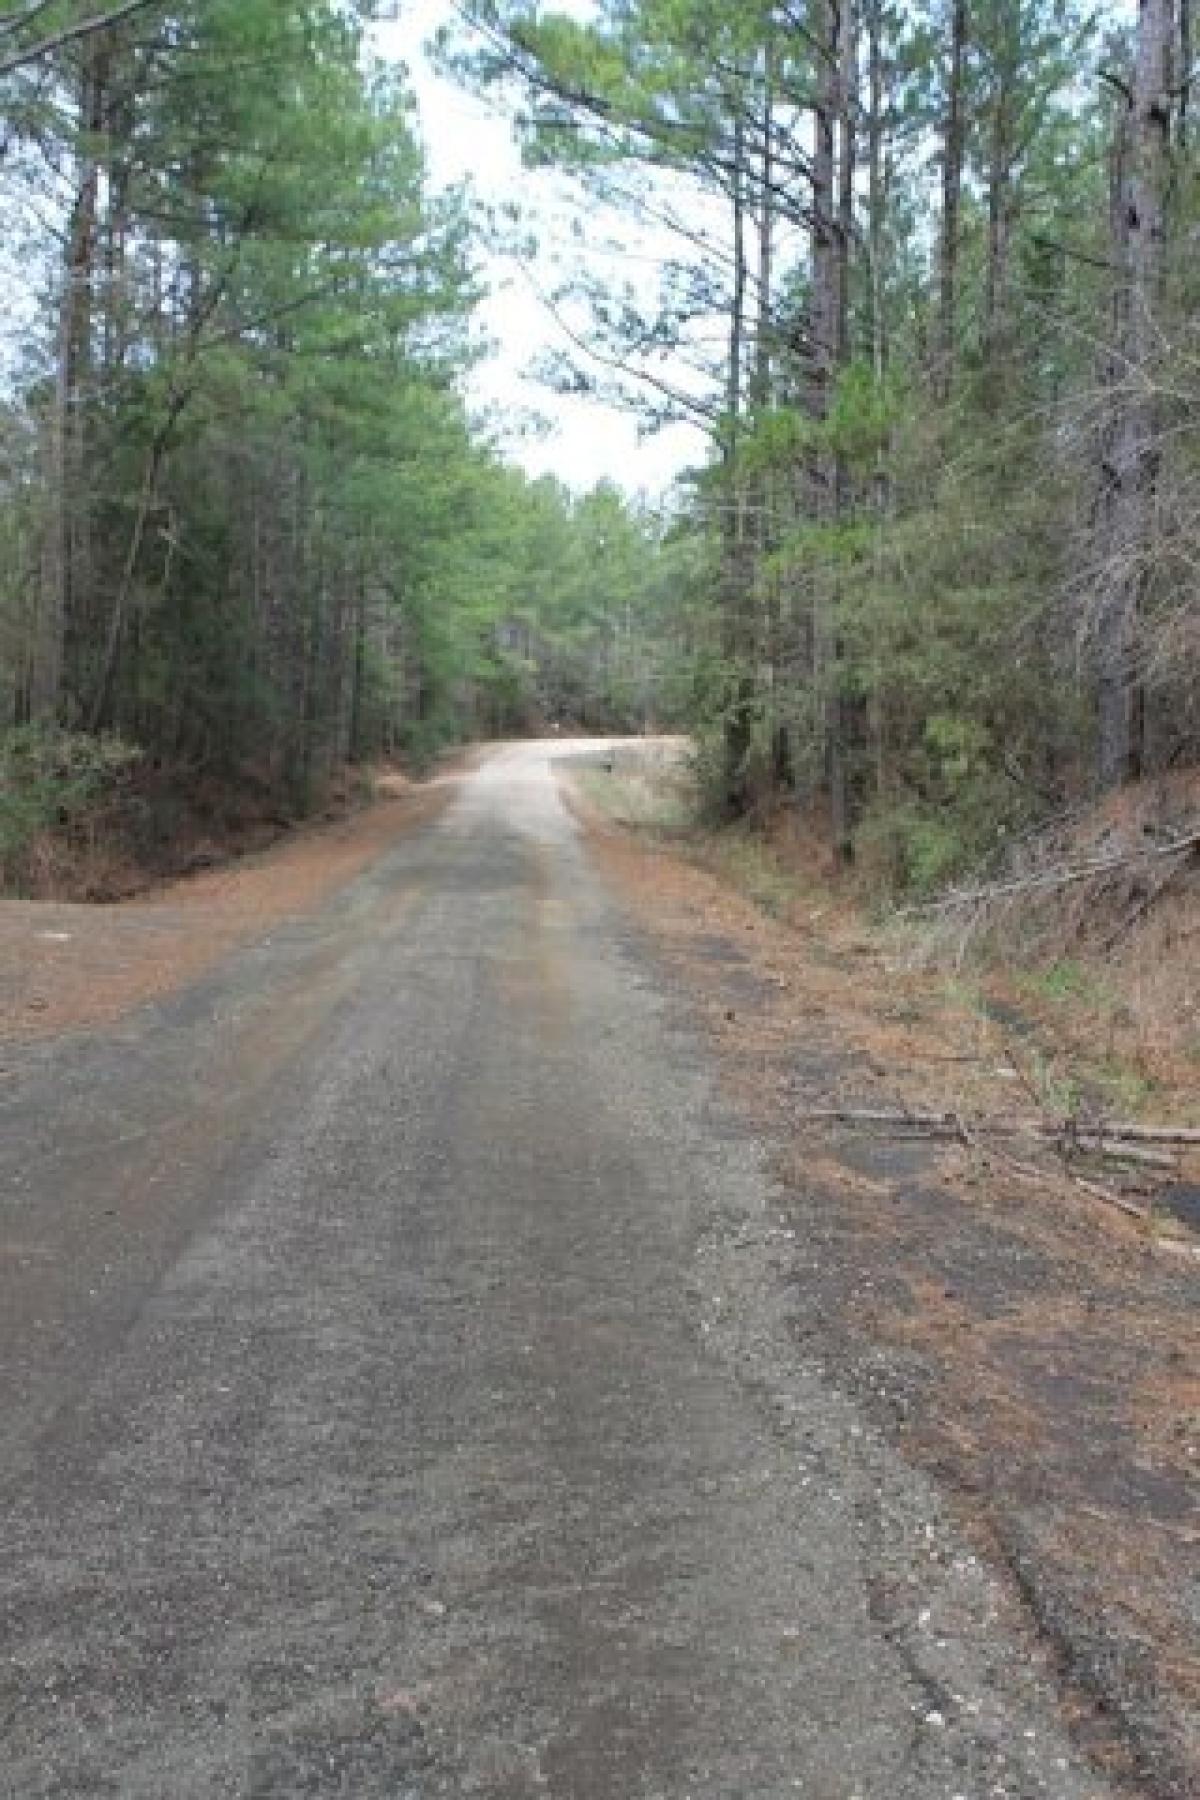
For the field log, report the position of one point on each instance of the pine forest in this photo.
(923, 280)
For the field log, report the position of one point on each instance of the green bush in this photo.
(48, 781)
(906, 847)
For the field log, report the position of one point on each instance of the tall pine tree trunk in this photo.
(833, 170)
(64, 551)
(844, 723)
(1130, 471)
(953, 135)
(823, 332)
(761, 387)
(877, 187)
(760, 397)
(737, 586)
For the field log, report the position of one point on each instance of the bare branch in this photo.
(1111, 79)
(1051, 880)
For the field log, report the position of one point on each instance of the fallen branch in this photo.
(1075, 1132)
(953, 1126)
(1110, 1197)
(1118, 1151)
(1144, 905)
(1153, 1134)
(1030, 1172)
(1066, 1139)
(1050, 880)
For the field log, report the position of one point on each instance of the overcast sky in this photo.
(467, 140)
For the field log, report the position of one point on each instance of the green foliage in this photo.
(776, 439)
(48, 781)
(910, 846)
(238, 481)
(863, 415)
(1066, 980)
(281, 541)
(884, 524)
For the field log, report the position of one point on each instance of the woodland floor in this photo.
(1036, 1351)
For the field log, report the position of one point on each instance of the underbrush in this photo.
(52, 785)
(1094, 987)
(1092, 928)
(653, 795)
(92, 819)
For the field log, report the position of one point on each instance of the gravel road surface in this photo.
(400, 1399)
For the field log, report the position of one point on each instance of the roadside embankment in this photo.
(68, 966)
(1034, 1345)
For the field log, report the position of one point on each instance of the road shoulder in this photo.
(1029, 1352)
(71, 967)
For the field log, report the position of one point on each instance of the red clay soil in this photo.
(70, 967)
(1033, 1348)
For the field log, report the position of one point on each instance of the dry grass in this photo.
(1042, 1014)
(1106, 972)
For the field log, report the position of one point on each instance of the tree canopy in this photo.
(248, 521)
(923, 273)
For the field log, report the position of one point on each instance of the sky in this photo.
(582, 441)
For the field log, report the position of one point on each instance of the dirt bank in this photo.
(70, 967)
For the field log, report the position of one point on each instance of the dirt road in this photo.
(398, 1394)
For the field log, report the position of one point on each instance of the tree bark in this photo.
(877, 187)
(65, 526)
(843, 714)
(1185, 69)
(761, 395)
(737, 645)
(952, 164)
(878, 191)
(823, 235)
(357, 741)
(1130, 472)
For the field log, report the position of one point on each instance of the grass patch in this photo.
(654, 801)
(1066, 981)
(756, 869)
(661, 801)
(1129, 1089)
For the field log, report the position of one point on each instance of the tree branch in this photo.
(20, 21)
(69, 34)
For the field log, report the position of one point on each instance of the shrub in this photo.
(49, 780)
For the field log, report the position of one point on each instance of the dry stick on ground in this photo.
(1106, 1195)
(1062, 1139)
(1030, 1172)
(1117, 1151)
(1074, 1132)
